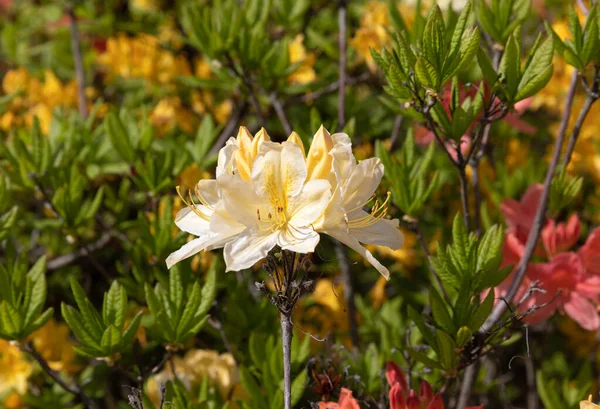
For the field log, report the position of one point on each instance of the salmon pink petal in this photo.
(590, 252)
(425, 393)
(582, 311)
(436, 403)
(397, 397)
(394, 375)
(346, 400)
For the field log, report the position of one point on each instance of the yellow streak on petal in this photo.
(243, 161)
(318, 161)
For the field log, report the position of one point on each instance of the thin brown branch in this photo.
(287, 127)
(466, 386)
(532, 400)
(396, 132)
(65, 260)
(538, 221)
(243, 75)
(342, 64)
(78, 63)
(329, 89)
(464, 197)
(72, 387)
(229, 129)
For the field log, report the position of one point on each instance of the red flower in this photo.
(346, 401)
(590, 252)
(558, 238)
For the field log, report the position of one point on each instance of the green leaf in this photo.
(489, 250)
(252, 387)
(119, 137)
(132, 328)
(111, 340)
(510, 66)
(91, 319)
(190, 311)
(175, 289)
(447, 348)
(440, 313)
(591, 46)
(463, 336)
(75, 322)
(538, 72)
(424, 359)
(209, 290)
(482, 312)
(459, 29)
(298, 386)
(434, 38)
(426, 73)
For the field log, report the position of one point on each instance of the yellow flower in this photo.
(373, 32)
(53, 343)
(14, 372)
(377, 293)
(15, 80)
(198, 364)
(305, 72)
(169, 113)
(588, 404)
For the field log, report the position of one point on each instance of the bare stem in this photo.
(78, 62)
(538, 221)
(229, 128)
(464, 196)
(73, 388)
(67, 259)
(396, 132)
(286, 339)
(287, 127)
(532, 400)
(466, 386)
(342, 64)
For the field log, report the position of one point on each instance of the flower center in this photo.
(378, 212)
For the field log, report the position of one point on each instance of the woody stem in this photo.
(286, 339)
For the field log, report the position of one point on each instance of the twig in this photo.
(248, 84)
(587, 105)
(396, 132)
(536, 228)
(464, 196)
(229, 128)
(342, 255)
(62, 261)
(216, 324)
(466, 386)
(78, 62)
(329, 89)
(280, 113)
(286, 339)
(342, 64)
(73, 388)
(532, 402)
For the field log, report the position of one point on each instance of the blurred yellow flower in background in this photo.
(53, 343)
(169, 113)
(14, 372)
(372, 33)
(141, 57)
(194, 367)
(305, 72)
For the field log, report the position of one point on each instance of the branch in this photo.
(248, 84)
(329, 89)
(592, 96)
(229, 128)
(467, 386)
(74, 388)
(64, 260)
(78, 62)
(280, 113)
(342, 65)
(396, 132)
(536, 228)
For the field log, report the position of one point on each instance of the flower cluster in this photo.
(270, 194)
(569, 280)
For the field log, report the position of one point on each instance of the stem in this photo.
(281, 113)
(342, 65)
(532, 402)
(342, 255)
(286, 339)
(396, 132)
(229, 129)
(536, 228)
(589, 101)
(464, 196)
(74, 388)
(467, 386)
(78, 62)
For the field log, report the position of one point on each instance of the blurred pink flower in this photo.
(590, 252)
(346, 401)
(514, 120)
(519, 215)
(579, 291)
(558, 238)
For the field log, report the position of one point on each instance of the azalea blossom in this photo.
(346, 401)
(273, 194)
(401, 397)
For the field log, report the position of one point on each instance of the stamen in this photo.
(192, 205)
(377, 213)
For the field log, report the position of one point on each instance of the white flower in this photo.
(277, 207)
(354, 188)
(268, 194)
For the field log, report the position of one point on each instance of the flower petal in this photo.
(351, 242)
(293, 168)
(306, 207)
(583, 311)
(239, 199)
(190, 222)
(249, 247)
(383, 233)
(298, 239)
(362, 183)
(189, 249)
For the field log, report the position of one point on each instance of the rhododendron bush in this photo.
(343, 204)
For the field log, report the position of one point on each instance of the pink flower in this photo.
(519, 215)
(346, 401)
(558, 238)
(579, 290)
(512, 118)
(590, 252)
